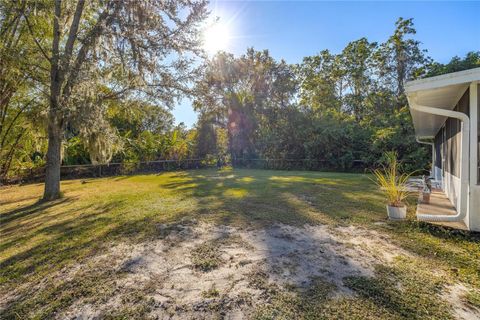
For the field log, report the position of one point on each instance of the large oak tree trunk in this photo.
(52, 174)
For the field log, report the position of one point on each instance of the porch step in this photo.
(439, 205)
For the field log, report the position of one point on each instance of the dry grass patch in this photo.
(230, 243)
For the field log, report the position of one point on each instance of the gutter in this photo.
(464, 163)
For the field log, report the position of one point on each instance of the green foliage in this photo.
(243, 96)
(470, 61)
(331, 108)
(74, 152)
(391, 181)
(397, 134)
(21, 120)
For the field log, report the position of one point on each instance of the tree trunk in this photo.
(52, 171)
(52, 174)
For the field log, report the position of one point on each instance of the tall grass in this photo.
(391, 182)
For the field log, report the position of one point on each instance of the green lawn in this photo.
(39, 240)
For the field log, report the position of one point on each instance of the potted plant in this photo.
(394, 186)
(427, 189)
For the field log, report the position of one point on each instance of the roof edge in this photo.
(443, 80)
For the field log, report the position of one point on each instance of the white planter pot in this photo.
(397, 213)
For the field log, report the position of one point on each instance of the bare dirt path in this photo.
(198, 270)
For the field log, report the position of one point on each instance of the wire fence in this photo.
(300, 164)
(116, 169)
(158, 166)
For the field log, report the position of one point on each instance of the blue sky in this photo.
(294, 29)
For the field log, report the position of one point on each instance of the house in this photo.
(445, 111)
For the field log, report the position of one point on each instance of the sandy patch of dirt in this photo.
(455, 295)
(198, 270)
(166, 271)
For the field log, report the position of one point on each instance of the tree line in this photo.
(335, 108)
(95, 81)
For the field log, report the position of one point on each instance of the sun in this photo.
(216, 38)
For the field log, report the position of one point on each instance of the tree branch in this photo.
(103, 20)
(9, 158)
(72, 36)
(13, 121)
(35, 39)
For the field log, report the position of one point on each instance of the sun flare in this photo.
(216, 38)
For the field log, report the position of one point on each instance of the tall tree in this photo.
(470, 61)
(20, 108)
(225, 94)
(358, 63)
(400, 58)
(131, 47)
(206, 136)
(322, 81)
(244, 95)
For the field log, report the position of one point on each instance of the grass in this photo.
(211, 293)
(416, 296)
(39, 239)
(206, 257)
(403, 290)
(473, 299)
(379, 297)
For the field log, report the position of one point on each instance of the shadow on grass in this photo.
(64, 241)
(403, 291)
(263, 197)
(29, 210)
(6, 202)
(240, 197)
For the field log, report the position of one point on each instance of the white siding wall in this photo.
(451, 187)
(474, 197)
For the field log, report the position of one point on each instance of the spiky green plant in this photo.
(391, 182)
